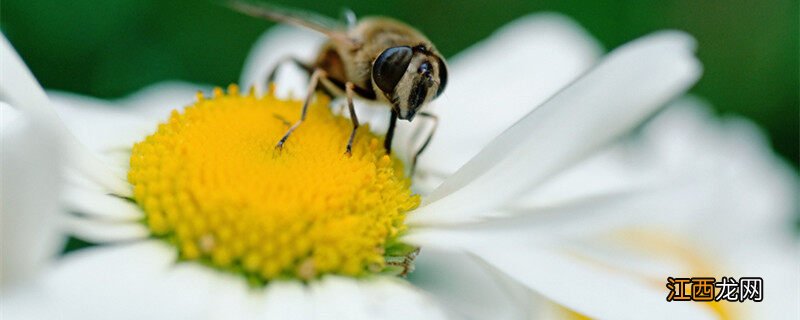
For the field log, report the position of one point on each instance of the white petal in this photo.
(583, 217)
(588, 289)
(778, 263)
(155, 102)
(127, 280)
(99, 124)
(19, 87)
(624, 89)
(467, 288)
(144, 281)
(338, 298)
(651, 255)
(97, 231)
(189, 289)
(703, 167)
(732, 154)
(392, 298)
(185, 290)
(29, 301)
(117, 282)
(615, 170)
(150, 286)
(74, 178)
(278, 43)
(497, 81)
(232, 297)
(105, 125)
(30, 180)
(749, 194)
(287, 300)
(101, 206)
(696, 167)
(679, 206)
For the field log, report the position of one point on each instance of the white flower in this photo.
(505, 222)
(730, 211)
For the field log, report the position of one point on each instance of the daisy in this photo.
(735, 218)
(185, 246)
(711, 200)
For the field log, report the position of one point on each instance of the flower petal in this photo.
(512, 245)
(144, 281)
(467, 288)
(155, 102)
(732, 155)
(392, 298)
(114, 282)
(587, 289)
(232, 297)
(497, 81)
(697, 168)
(29, 301)
(105, 231)
(374, 298)
(19, 87)
(338, 298)
(101, 206)
(538, 225)
(30, 180)
(616, 170)
(104, 125)
(287, 300)
(146, 274)
(100, 125)
(191, 289)
(743, 190)
(611, 99)
(777, 261)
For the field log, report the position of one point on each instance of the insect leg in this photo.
(425, 144)
(387, 143)
(407, 263)
(274, 73)
(349, 88)
(312, 87)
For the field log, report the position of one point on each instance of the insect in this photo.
(378, 59)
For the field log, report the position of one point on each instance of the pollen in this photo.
(213, 184)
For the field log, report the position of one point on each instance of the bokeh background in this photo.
(109, 48)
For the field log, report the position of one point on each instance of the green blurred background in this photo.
(111, 48)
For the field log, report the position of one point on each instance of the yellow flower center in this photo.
(212, 183)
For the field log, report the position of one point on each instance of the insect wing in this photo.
(332, 28)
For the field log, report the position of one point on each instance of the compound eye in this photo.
(442, 77)
(390, 66)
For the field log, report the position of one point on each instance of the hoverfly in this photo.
(376, 58)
